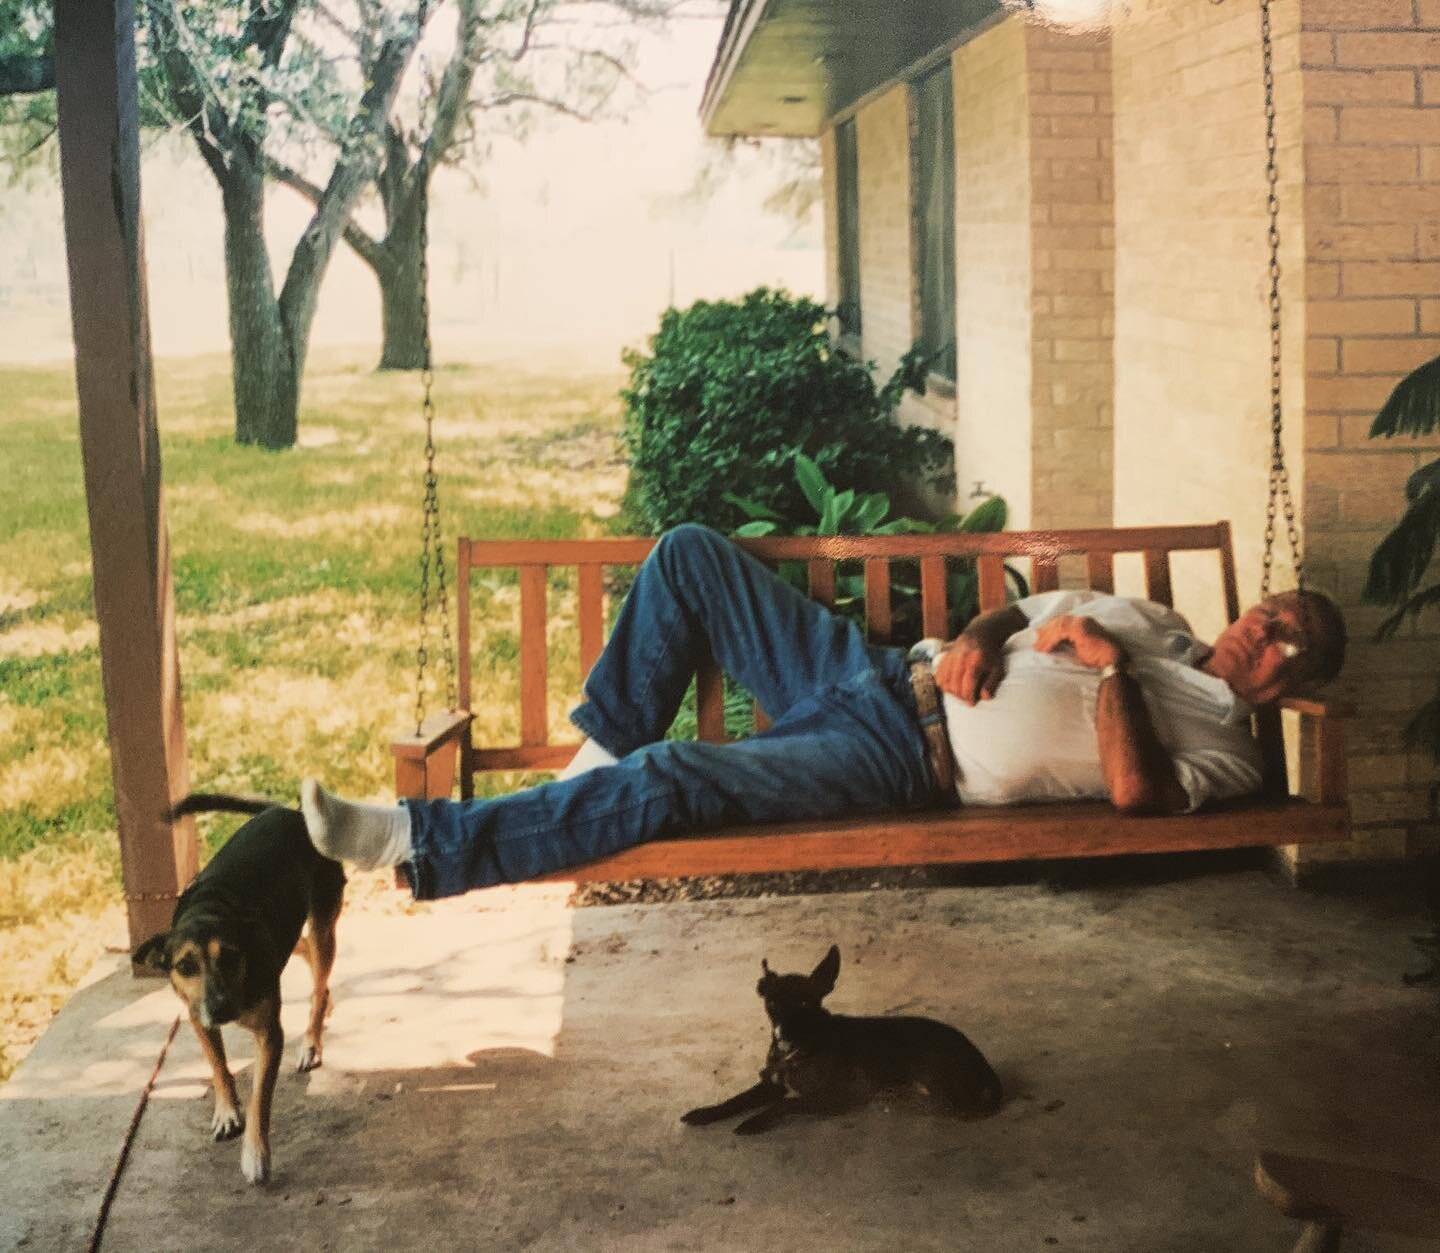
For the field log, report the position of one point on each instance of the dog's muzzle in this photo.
(932, 717)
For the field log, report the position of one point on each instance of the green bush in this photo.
(846, 513)
(732, 390)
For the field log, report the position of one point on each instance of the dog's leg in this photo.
(770, 1117)
(763, 1093)
(228, 1120)
(326, 899)
(264, 1022)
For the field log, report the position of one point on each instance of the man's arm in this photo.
(1139, 774)
(973, 665)
(1138, 771)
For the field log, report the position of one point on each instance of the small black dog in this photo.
(824, 1063)
(233, 930)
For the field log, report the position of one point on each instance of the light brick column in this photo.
(1035, 284)
(1371, 77)
(1072, 215)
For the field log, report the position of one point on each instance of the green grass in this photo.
(295, 573)
(295, 578)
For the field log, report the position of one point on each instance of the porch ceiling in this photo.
(786, 67)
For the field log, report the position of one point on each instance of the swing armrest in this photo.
(425, 760)
(1330, 777)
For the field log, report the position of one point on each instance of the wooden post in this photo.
(134, 602)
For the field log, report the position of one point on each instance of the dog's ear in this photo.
(154, 953)
(765, 967)
(825, 974)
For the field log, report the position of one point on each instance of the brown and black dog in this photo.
(824, 1063)
(233, 930)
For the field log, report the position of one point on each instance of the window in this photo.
(934, 182)
(847, 213)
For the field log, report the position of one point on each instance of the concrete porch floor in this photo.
(503, 1072)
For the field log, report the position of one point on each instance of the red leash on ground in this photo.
(114, 1185)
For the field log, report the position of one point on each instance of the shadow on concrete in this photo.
(508, 1073)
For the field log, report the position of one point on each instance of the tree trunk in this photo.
(266, 383)
(400, 271)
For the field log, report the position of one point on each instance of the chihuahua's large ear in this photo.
(825, 974)
(153, 953)
(765, 967)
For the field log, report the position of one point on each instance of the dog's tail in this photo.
(211, 802)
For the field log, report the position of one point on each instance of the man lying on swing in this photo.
(1062, 695)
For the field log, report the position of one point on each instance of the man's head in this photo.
(1285, 643)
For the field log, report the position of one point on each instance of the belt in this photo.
(932, 724)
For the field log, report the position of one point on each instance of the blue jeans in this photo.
(845, 738)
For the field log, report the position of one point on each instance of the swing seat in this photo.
(429, 763)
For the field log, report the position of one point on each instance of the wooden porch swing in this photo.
(442, 746)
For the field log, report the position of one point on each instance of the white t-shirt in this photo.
(1035, 739)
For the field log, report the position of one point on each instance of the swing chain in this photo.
(431, 544)
(1279, 499)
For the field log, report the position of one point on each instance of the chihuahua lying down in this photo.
(824, 1063)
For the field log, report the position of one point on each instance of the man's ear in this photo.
(154, 953)
(825, 974)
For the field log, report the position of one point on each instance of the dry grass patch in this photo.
(295, 578)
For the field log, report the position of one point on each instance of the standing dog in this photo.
(824, 1063)
(233, 930)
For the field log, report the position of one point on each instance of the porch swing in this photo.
(442, 745)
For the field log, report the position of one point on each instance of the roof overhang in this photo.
(787, 67)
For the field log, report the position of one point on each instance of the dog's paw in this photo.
(699, 1117)
(254, 1162)
(227, 1123)
(754, 1126)
(308, 1058)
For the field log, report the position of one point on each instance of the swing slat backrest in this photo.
(823, 555)
(1046, 558)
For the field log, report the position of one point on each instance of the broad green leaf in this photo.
(751, 508)
(752, 530)
(870, 509)
(987, 517)
(812, 482)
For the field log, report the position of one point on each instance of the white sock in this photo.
(587, 757)
(367, 836)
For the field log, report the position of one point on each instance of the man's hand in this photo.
(1091, 643)
(970, 669)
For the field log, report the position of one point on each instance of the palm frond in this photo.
(1424, 599)
(1423, 730)
(1427, 477)
(1399, 562)
(1414, 405)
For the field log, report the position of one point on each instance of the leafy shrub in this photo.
(732, 390)
(850, 513)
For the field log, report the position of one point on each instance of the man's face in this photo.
(1268, 650)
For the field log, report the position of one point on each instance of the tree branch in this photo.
(510, 98)
(354, 167)
(365, 246)
(191, 96)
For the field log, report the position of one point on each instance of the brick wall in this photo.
(1371, 77)
(1073, 291)
(1191, 316)
(993, 267)
(887, 320)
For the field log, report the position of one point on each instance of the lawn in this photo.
(296, 588)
